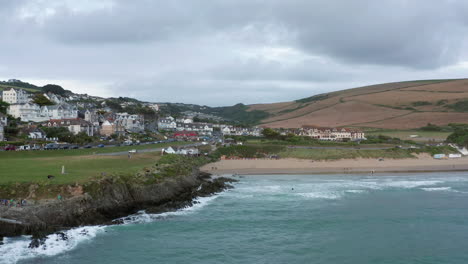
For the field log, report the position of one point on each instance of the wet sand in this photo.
(424, 163)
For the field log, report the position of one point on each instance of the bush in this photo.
(421, 103)
(461, 106)
(249, 151)
(431, 127)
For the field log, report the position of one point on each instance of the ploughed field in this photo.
(403, 105)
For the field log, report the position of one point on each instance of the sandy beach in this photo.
(423, 163)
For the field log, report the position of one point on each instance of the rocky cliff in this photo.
(110, 199)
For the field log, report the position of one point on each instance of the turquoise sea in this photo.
(415, 218)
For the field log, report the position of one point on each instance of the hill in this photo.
(19, 84)
(400, 105)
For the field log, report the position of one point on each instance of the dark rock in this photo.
(112, 200)
(62, 236)
(37, 240)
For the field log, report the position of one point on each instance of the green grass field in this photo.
(423, 136)
(336, 154)
(79, 152)
(77, 168)
(80, 165)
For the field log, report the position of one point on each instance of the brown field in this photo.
(344, 114)
(447, 87)
(405, 98)
(416, 120)
(371, 106)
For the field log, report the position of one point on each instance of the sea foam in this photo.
(16, 249)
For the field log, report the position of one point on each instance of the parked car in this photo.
(10, 148)
(100, 145)
(24, 147)
(87, 146)
(132, 151)
(51, 146)
(36, 147)
(73, 147)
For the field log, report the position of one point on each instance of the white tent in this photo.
(169, 150)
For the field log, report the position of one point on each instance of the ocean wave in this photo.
(435, 189)
(321, 195)
(143, 217)
(16, 249)
(409, 184)
(355, 191)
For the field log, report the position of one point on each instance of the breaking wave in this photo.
(16, 249)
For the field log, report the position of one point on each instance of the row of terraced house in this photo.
(331, 133)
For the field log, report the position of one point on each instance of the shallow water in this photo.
(418, 218)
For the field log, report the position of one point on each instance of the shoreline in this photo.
(110, 204)
(423, 163)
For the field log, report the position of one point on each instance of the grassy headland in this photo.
(80, 164)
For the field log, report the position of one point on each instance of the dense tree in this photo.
(115, 106)
(41, 100)
(459, 136)
(3, 107)
(270, 133)
(55, 89)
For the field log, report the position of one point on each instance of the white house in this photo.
(241, 131)
(332, 134)
(75, 125)
(26, 112)
(155, 107)
(167, 124)
(3, 124)
(55, 98)
(37, 134)
(200, 128)
(187, 151)
(15, 96)
(35, 113)
(59, 111)
(91, 116)
(130, 122)
(184, 120)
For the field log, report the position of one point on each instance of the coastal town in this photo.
(35, 120)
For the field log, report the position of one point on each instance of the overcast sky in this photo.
(222, 52)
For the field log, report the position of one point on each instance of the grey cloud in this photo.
(194, 50)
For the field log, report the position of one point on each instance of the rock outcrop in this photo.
(110, 200)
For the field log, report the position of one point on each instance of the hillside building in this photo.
(74, 125)
(134, 123)
(241, 131)
(35, 113)
(109, 128)
(15, 96)
(167, 123)
(332, 134)
(3, 124)
(201, 128)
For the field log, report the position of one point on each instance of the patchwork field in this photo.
(403, 105)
